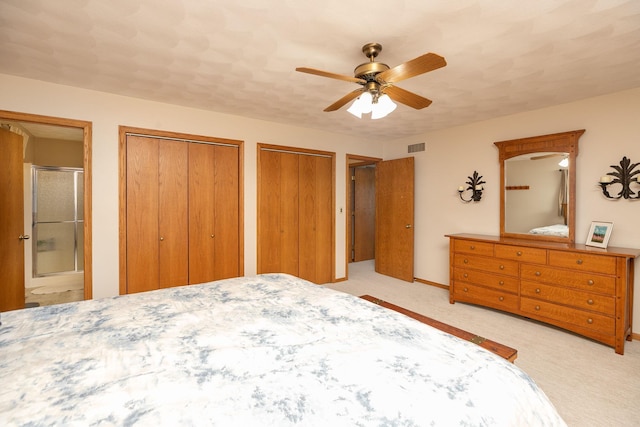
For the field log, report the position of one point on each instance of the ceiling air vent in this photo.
(414, 148)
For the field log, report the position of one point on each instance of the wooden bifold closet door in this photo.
(182, 213)
(295, 214)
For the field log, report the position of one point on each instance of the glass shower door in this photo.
(57, 220)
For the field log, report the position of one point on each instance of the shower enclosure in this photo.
(58, 219)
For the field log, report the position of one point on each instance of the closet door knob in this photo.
(161, 239)
(24, 237)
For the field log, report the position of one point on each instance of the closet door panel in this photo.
(201, 213)
(289, 214)
(173, 213)
(142, 214)
(324, 220)
(269, 233)
(278, 223)
(226, 241)
(315, 218)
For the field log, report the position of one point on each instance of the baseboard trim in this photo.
(635, 336)
(340, 279)
(430, 283)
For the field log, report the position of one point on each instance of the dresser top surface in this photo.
(611, 250)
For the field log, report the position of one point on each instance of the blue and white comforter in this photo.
(267, 350)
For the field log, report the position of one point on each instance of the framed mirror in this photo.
(538, 186)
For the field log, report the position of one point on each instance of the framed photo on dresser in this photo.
(599, 234)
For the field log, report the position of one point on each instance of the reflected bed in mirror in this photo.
(537, 176)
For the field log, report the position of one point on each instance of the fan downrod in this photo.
(368, 70)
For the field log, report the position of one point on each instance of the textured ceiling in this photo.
(239, 57)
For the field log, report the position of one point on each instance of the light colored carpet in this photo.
(589, 383)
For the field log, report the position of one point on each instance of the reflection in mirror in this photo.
(538, 181)
(537, 194)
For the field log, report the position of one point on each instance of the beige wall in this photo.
(451, 155)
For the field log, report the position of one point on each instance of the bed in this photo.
(558, 230)
(265, 350)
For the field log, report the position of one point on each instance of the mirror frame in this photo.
(565, 142)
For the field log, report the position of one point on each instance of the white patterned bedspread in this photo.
(267, 350)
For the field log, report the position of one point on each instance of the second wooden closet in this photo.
(181, 218)
(295, 212)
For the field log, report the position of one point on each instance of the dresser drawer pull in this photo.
(590, 301)
(501, 282)
(537, 307)
(519, 253)
(537, 290)
(589, 320)
(466, 261)
(465, 289)
(590, 282)
(538, 273)
(465, 275)
(501, 298)
(502, 267)
(579, 262)
(472, 247)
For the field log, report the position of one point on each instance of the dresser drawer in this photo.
(578, 299)
(581, 261)
(586, 281)
(584, 319)
(522, 253)
(485, 296)
(473, 247)
(491, 265)
(505, 283)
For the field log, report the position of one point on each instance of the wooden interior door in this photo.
(227, 213)
(172, 210)
(394, 218)
(12, 294)
(364, 218)
(142, 214)
(278, 218)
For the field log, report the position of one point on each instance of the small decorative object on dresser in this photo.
(599, 234)
(573, 286)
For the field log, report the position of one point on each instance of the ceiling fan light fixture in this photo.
(383, 107)
(362, 105)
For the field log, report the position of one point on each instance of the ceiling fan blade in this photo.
(406, 97)
(545, 156)
(342, 101)
(330, 75)
(414, 67)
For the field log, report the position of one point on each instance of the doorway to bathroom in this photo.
(46, 252)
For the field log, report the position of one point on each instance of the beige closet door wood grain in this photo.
(394, 218)
(227, 213)
(365, 213)
(173, 213)
(12, 292)
(202, 232)
(142, 214)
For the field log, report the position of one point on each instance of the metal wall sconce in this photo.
(475, 186)
(624, 174)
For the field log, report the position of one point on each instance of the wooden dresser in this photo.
(585, 290)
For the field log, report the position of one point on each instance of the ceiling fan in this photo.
(378, 80)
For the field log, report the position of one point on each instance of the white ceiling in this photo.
(239, 57)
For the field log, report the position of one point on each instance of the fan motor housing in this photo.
(368, 70)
